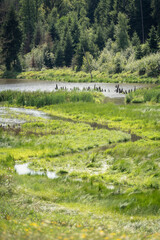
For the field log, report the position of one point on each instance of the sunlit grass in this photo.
(107, 186)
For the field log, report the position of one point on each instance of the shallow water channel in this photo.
(108, 89)
(12, 121)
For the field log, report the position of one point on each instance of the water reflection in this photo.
(23, 169)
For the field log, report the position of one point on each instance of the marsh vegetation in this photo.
(107, 184)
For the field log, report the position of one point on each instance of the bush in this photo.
(38, 58)
(154, 69)
(142, 71)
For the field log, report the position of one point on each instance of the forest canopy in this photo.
(42, 34)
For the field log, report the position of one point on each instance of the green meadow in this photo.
(106, 158)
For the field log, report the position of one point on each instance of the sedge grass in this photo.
(106, 193)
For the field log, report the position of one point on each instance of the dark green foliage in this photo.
(121, 32)
(75, 32)
(28, 18)
(100, 41)
(59, 56)
(153, 40)
(11, 39)
(138, 52)
(102, 16)
(71, 28)
(48, 61)
(155, 5)
(68, 49)
(135, 39)
(92, 5)
(118, 66)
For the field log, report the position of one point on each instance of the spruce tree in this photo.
(75, 32)
(121, 32)
(59, 56)
(135, 40)
(68, 49)
(11, 39)
(155, 5)
(138, 52)
(100, 38)
(153, 40)
(28, 18)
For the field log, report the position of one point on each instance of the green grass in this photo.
(144, 95)
(111, 185)
(40, 99)
(68, 75)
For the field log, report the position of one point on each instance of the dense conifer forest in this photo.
(103, 35)
(80, 150)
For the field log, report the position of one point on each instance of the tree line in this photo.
(47, 33)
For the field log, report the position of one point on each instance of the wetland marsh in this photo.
(106, 159)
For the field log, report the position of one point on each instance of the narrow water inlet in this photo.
(23, 169)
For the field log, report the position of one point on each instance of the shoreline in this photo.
(68, 75)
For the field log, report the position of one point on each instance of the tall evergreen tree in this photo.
(121, 32)
(59, 56)
(28, 18)
(135, 40)
(138, 51)
(103, 16)
(155, 5)
(153, 40)
(75, 31)
(100, 38)
(68, 49)
(11, 39)
(92, 5)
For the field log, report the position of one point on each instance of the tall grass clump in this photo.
(40, 99)
(144, 95)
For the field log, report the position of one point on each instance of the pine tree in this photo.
(155, 5)
(92, 5)
(138, 52)
(100, 38)
(102, 16)
(53, 31)
(79, 57)
(153, 40)
(68, 50)
(135, 40)
(11, 39)
(28, 18)
(75, 32)
(121, 32)
(59, 56)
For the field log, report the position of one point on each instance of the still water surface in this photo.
(23, 169)
(108, 89)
